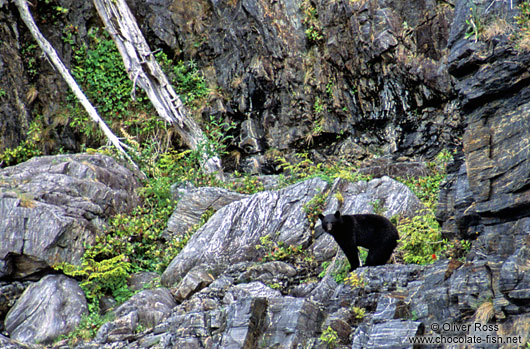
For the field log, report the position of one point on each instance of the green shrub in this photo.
(24, 151)
(330, 337)
(420, 239)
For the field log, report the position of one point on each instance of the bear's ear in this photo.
(337, 214)
(321, 216)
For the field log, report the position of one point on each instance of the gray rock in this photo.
(51, 206)
(7, 343)
(196, 279)
(514, 280)
(120, 329)
(9, 293)
(47, 309)
(232, 233)
(390, 334)
(141, 280)
(193, 203)
(152, 306)
(244, 323)
(291, 322)
(270, 272)
(254, 289)
(147, 308)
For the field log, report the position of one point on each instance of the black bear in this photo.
(371, 231)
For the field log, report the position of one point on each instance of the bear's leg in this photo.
(353, 258)
(378, 256)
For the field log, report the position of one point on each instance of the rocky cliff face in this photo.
(324, 76)
(487, 196)
(338, 79)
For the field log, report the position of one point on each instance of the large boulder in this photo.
(147, 308)
(47, 309)
(52, 206)
(232, 233)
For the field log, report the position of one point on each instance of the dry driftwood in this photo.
(50, 52)
(144, 70)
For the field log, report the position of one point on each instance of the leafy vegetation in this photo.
(302, 168)
(354, 280)
(279, 251)
(25, 150)
(311, 21)
(330, 337)
(420, 237)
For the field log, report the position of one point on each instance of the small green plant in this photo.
(339, 197)
(523, 18)
(420, 239)
(330, 337)
(325, 266)
(3, 93)
(87, 328)
(378, 206)
(358, 313)
(26, 150)
(314, 28)
(302, 167)
(318, 106)
(246, 184)
(354, 280)
(217, 137)
(475, 24)
(315, 206)
(108, 276)
(186, 78)
(278, 251)
(521, 37)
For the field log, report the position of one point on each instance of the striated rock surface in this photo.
(193, 203)
(47, 309)
(50, 207)
(232, 233)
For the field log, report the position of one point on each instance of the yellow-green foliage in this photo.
(358, 313)
(302, 167)
(24, 151)
(354, 280)
(330, 337)
(420, 239)
(108, 276)
(311, 21)
(279, 251)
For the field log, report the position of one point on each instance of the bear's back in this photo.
(372, 230)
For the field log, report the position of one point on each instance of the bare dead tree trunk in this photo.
(50, 52)
(144, 70)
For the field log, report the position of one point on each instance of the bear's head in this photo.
(331, 222)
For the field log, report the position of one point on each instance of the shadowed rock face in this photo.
(50, 207)
(487, 194)
(372, 75)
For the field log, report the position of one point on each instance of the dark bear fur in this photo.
(374, 232)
